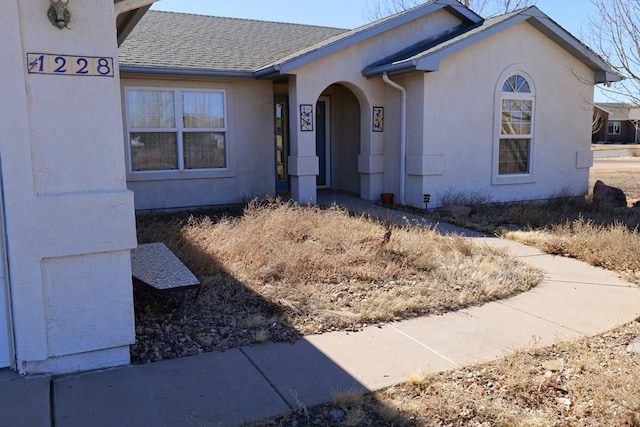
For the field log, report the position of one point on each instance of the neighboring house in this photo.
(617, 123)
(432, 100)
(66, 217)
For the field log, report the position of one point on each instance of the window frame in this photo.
(515, 178)
(612, 124)
(179, 129)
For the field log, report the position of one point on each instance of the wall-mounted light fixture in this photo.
(59, 14)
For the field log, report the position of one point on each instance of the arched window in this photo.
(516, 126)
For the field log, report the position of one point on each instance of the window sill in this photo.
(513, 179)
(179, 175)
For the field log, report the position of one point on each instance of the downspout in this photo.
(403, 135)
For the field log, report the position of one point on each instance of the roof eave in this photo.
(186, 72)
(267, 73)
(396, 68)
(357, 37)
(431, 62)
(603, 73)
(602, 76)
(128, 14)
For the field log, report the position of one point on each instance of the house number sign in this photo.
(69, 65)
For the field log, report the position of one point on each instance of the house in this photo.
(616, 123)
(66, 217)
(434, 100)
(213, 111)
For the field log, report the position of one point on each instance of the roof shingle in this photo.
(197, 42)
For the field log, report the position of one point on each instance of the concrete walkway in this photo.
(252, 383)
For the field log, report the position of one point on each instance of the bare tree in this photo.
(597, 121)
(615, 34)
(377, 9)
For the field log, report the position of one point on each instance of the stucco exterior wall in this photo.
(69, 217)
(461, 114)
(251, 171)
(345, 67)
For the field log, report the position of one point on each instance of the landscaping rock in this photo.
(553, 365)
(612, 196)
(634, 348)
(457, 211)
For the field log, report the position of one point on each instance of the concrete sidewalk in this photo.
(257, 382)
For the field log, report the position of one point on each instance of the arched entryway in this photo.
(338, 139)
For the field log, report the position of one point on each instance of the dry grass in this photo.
(321, 270)
(605, 147)
(589, 382)
(600, 235)
(614, 247)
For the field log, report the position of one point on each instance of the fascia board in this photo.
(603, 72)
(431, 61)
(133, 69)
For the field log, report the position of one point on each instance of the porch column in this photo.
(303, 161)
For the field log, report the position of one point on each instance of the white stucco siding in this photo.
(64, 193)
(461, 114)
(250, 145)
(347, 64)
(345, 67)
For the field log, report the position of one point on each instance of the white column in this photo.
(303, 162)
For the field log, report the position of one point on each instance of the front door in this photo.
(323, 141)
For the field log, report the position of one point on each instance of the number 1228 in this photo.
(69, 65)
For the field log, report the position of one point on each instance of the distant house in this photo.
(432, 100)
(616, 123)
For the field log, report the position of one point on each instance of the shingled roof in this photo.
(187, 42)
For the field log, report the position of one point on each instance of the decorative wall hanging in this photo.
(306, 117)
(378, 119)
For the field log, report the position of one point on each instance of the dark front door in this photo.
(323, 143)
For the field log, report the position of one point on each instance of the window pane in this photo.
(151, 109)
(513, 156)
(153, 151)
(614, 128)
(516, 83)
(204, 150)
(203, 109)
(516, 117)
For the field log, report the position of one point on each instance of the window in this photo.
(176, 130)
(516, 126)
(614, 128)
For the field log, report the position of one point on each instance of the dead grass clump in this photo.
(614, 246)
(322, 270)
